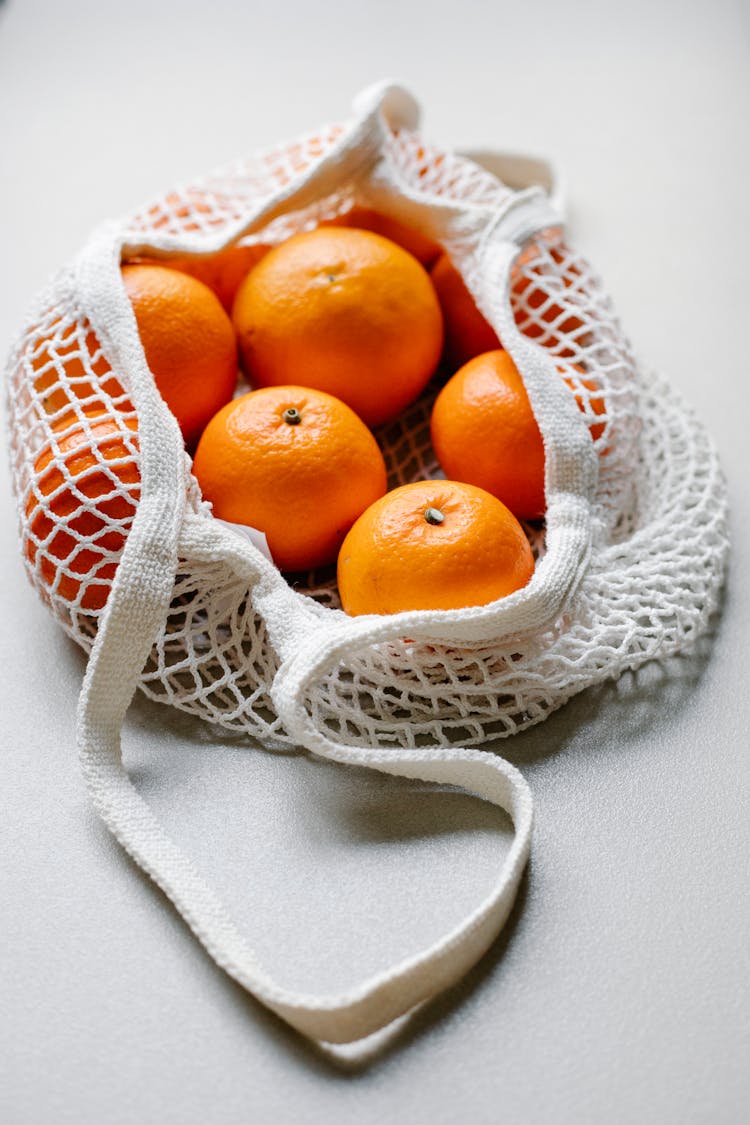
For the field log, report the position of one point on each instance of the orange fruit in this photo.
(74, 545)
(225, 271)
(484, 432)
(222, 272)
(424, 249)
(436, 544)
(188, 341)
(295, 463)
(467, 333)
(73, 353)
(344, 311)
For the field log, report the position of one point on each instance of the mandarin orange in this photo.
(423, 248)
(541, 311)
(344, 311)
(223, 272)
(484, 431)
(69, 365)
(432, 545)
(188, 341)
(295, 463)
(467, 332)
(87, 485)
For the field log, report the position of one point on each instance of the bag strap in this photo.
(520, 171)
(380, 999)
(517, 170)
(135, 611)
(109, 684)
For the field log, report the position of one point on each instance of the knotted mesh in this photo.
(658, 543)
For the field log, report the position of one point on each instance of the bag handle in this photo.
(135, 610)
(520, 171)
(109, 684)
(382, 998)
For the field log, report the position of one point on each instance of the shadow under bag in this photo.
(629, 563)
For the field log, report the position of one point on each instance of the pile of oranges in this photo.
(338, 330)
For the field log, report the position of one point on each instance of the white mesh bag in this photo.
(629, 562)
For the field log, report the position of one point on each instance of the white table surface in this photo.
(619, 992)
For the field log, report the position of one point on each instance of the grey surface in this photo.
(620, 990)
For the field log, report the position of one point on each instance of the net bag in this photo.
(170, 600)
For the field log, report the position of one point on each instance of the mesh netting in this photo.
(646, 592)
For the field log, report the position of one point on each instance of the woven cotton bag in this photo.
(629, 562)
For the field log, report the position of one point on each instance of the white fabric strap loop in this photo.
(384, 997)
(520, 171)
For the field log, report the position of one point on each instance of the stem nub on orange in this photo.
(295, 463)
(432, 545)
(344, 311)
(80, 509)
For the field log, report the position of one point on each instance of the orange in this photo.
(73, 546)
(424, 249)
(295, 463)
(187, 210)
(484, 432)
(188, 341)
(434, 544)
(344, 311)
(467, 333)
(225, 271)
(222, 272)
(68, 364)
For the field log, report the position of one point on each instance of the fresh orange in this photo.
(484, 431)
(424, 249)
(467, 333)
(188, 341)
(432, 545)
(68, 365)
(222, 272)
(344, 311)
(538, 312)
(74, 545)
(295, 463)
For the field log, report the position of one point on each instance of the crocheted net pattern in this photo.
(659, 536)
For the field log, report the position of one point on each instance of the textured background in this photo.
(620, 990)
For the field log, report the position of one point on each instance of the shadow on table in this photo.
(362, 821)
(614, 714)
(355, 1058)
(640, 701)
(616, 711)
